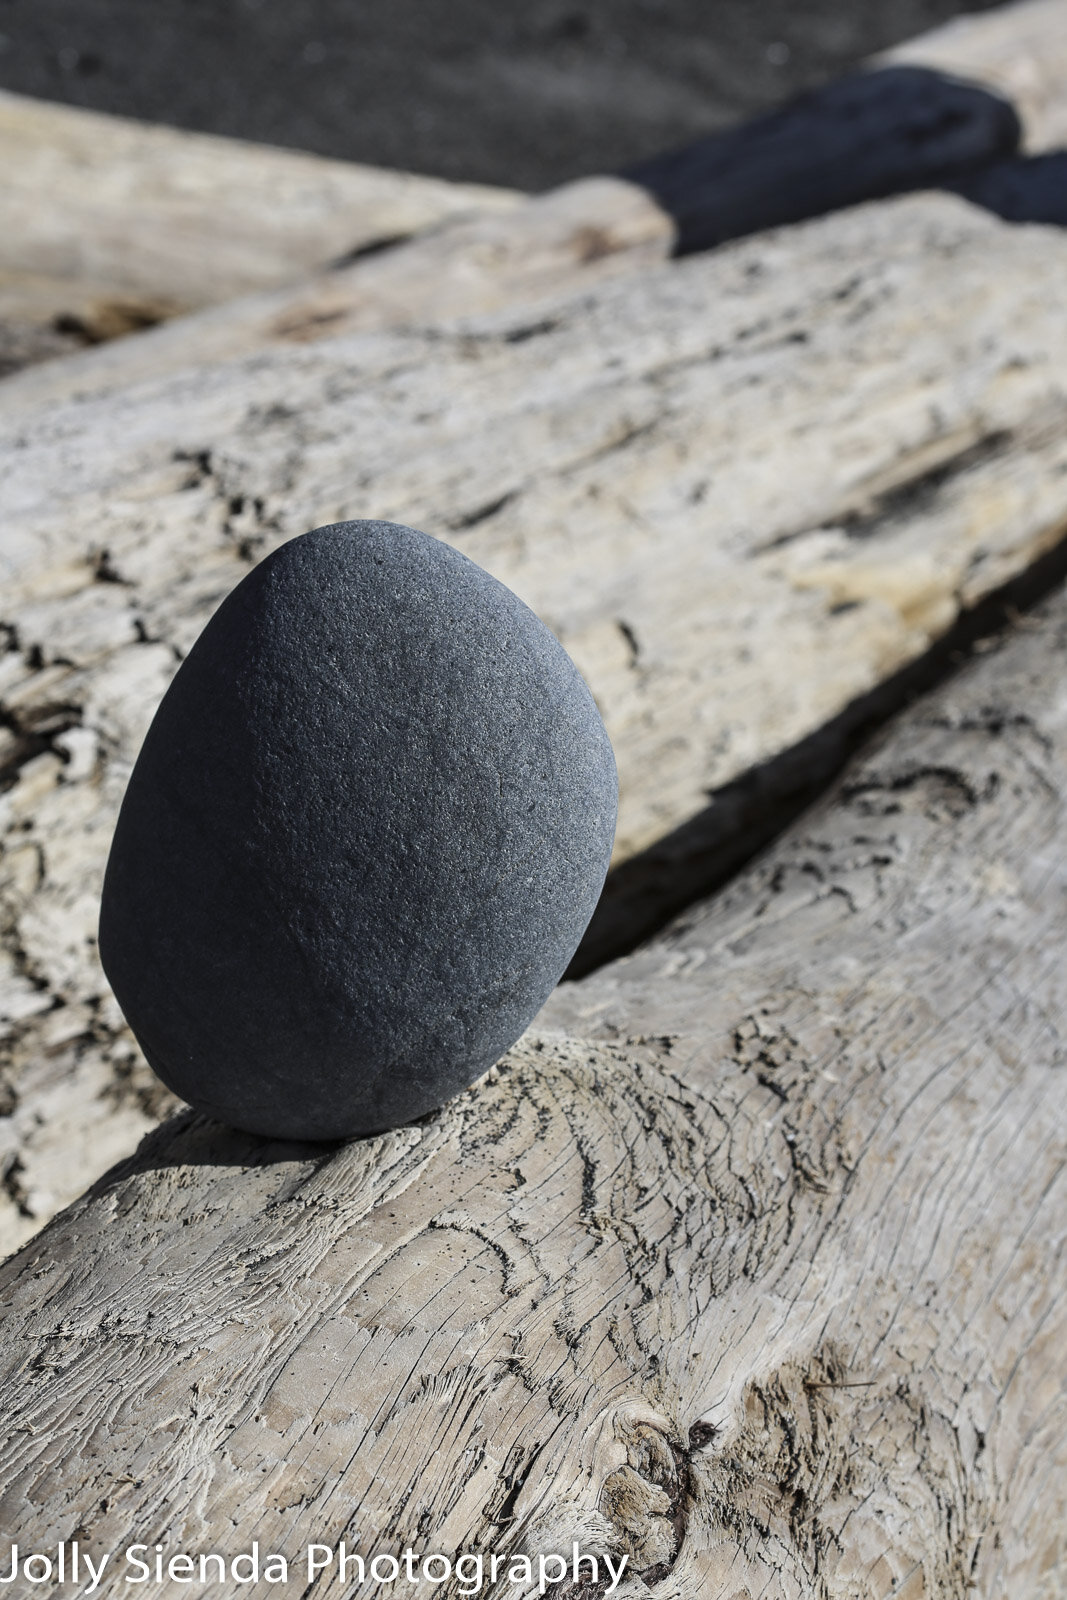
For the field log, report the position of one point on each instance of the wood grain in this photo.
(755, 1276)
(742, 489)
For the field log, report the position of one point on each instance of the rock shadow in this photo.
(193, 1139)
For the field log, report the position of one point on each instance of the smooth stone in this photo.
(368, 826)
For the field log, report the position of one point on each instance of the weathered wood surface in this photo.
(1018, 51)
(160, 211)
(570, 239)
(876, 133)
(761, 1282)
(108, 225)
(742, 489)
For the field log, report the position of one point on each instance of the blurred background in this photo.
(527, 94)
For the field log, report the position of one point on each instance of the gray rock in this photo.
(366, 830)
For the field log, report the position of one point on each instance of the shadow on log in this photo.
(874, 134)
(128, 240)
(1018, 51)
(642, 894)
(190, 1139)
(1030, 189)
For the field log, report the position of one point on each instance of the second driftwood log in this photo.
(109, 225)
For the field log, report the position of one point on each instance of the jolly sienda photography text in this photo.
(471, 1572)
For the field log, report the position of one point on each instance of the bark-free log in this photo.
(108, 224)
(563, 242)
(160, 211)
(743, 490)
(760, 1284)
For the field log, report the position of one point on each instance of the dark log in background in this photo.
(526, 94)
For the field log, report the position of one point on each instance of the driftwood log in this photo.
(156, 200)
(899, 128)
(745, 1266)
(570, 239)
(755, 1276)
(745, 490)
(108, 225)
(896, 129)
